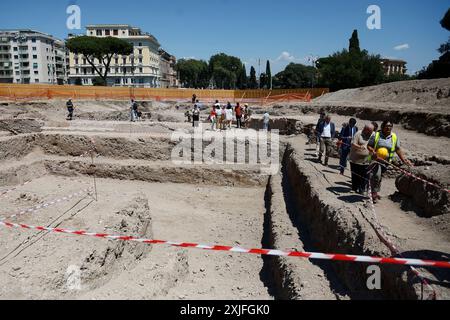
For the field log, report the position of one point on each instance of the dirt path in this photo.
(425, 238)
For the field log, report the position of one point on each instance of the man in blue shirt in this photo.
(345, 141)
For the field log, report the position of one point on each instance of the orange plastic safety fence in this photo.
(39, 92)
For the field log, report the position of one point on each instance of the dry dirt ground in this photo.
(139, 191)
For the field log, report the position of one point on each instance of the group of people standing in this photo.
(221, 116)
(363, 149)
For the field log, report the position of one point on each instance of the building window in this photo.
(140, 51)
(140, 60)
(36, 72)
(115, 32)
(15, 49)
(124, 60)
(140, 70)
(107, 32)
(35, 65)
(33, 40)
(99, 32)
(140, 44)
(34, 49)
(84, 61)
(16, 57)
(36, 80)
(34, 56)
(92, 33)
(76, 61)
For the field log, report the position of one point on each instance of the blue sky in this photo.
(282, 31)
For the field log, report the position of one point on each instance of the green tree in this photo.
(439, 68)
(354, 43)
(98, 82)
(253, 84)
(269, 75)
(344, 70)
(350, 68)
(99, 51)
(242, 79)
(294, 76)
(445, 22)
(263, 80)
(397, 77)
(193, 73)
(226, 70)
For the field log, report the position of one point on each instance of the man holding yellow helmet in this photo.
(383, 145)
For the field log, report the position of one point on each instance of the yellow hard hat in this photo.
(382, 153)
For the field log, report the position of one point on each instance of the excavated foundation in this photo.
(293, 216)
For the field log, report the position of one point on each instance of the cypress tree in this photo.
(268, 75)
(253, 83)
(354, 43)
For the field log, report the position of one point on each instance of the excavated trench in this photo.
(294, 217)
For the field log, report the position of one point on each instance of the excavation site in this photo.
(75, 195)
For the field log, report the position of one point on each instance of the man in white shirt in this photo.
(327, 132)
(266, 120)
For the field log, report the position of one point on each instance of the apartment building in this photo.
(169, 77)
(141, 69)
(29, 56)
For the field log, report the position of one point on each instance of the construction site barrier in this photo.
(17, 92)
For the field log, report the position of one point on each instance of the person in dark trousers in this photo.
(319, 122)
(135, 110)
(359, 159)
(69, 106)
(345, 140)
(384, 138)
(238, 112)
(327, 132)
(195, 116)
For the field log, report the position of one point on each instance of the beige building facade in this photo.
(141, 69)
(392, 66)
(169, 77)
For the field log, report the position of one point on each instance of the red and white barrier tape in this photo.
(270, 252)
(394, 250)
(15, 188)
(416, 177)
(49, 204)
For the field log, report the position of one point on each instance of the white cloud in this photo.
(402, 47)
(286, 57)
